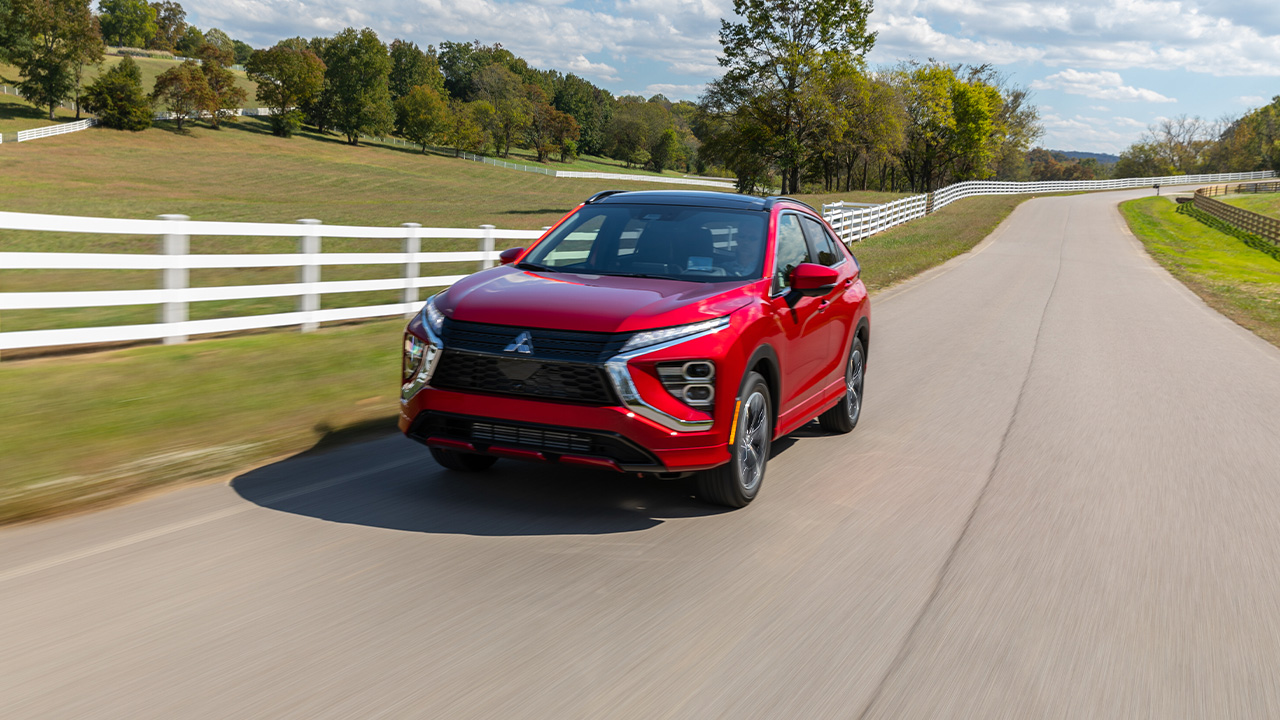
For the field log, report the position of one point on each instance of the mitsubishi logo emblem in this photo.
(522, 344)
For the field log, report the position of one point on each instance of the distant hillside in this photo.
(1102, 158)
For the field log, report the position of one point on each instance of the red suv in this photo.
(661, 333)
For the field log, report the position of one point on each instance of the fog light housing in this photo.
(691, 382)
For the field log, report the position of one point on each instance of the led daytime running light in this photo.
(653, 337)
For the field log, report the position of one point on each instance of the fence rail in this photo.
(1251, 222)
(174, 233)
(722, 185)
(858, 223)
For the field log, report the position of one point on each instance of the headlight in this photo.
(433, 318)
(414, 349)
(654, 337)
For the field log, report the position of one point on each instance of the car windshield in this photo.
(668, 241)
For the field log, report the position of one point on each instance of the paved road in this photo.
(1063, 501)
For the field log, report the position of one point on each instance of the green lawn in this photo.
(1261, 203)
(1239, 281)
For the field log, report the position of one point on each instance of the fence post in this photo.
(174, 278)
(412, 246)
(486, 246)
(309, 274)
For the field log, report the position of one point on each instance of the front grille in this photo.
(516, 376)
(561, 345)
(535, 437)
(483, 432)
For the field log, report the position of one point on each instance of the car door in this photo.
(837, 309)
(804, 352)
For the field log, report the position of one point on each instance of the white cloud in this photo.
(1100, 85)
(583, 66)
(1251, 100)
(676, 92)
(1093, 134)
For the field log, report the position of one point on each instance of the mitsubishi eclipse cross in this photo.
(661, 333)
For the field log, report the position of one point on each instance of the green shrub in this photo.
(117, 98)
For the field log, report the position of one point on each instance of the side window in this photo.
(820, 241)
(792, 250)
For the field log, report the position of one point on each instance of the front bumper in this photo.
(622, 440)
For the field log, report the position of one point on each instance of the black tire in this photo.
(737, 482)
(462, 462)
(844, 416)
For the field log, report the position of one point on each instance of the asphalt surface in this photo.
(1063, 501)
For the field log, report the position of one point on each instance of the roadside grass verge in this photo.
(1235, 279)
(1261, 203)
(85, 430)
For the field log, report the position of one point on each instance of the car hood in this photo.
(593, 303)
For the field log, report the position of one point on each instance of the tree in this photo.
(503, 90)
(224, 95)
(411, 68)
(664, 150)
(548, 129)
(242, 51)
(189, 42)
(590, 106)
(357, 70)
(183, 90)
(220, 40)
(91, 52)
(171, 24)
(127, 23)
(463, 131)
(116, 97)
(771, 56)
(288, 78)
(423, 114)
(61, 35)
(14, 37)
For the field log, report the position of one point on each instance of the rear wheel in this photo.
(844, 416)
(737, 482)
(462, 462)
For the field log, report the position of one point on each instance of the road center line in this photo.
(163, 530)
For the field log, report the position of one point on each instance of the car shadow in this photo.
(391, 482)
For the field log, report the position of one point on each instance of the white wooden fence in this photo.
(51, 130)
(173, 298)
(856, 221)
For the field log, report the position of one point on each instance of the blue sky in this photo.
(1101, 70)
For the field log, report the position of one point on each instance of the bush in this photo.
(117, 98)
(287, 123)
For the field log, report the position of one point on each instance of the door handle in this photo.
(822, 307)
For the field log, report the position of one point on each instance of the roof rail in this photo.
(602, 195)
(770, 201)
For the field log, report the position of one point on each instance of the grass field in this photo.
(1237, 280)
(1261, 203)
(155, 414)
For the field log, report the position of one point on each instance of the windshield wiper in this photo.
(632, 275)
(535, 266)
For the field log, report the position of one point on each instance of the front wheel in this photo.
(737, 482)
(844, 416)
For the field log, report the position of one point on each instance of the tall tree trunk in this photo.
(864, 174)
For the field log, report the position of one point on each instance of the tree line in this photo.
(1186, 145)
